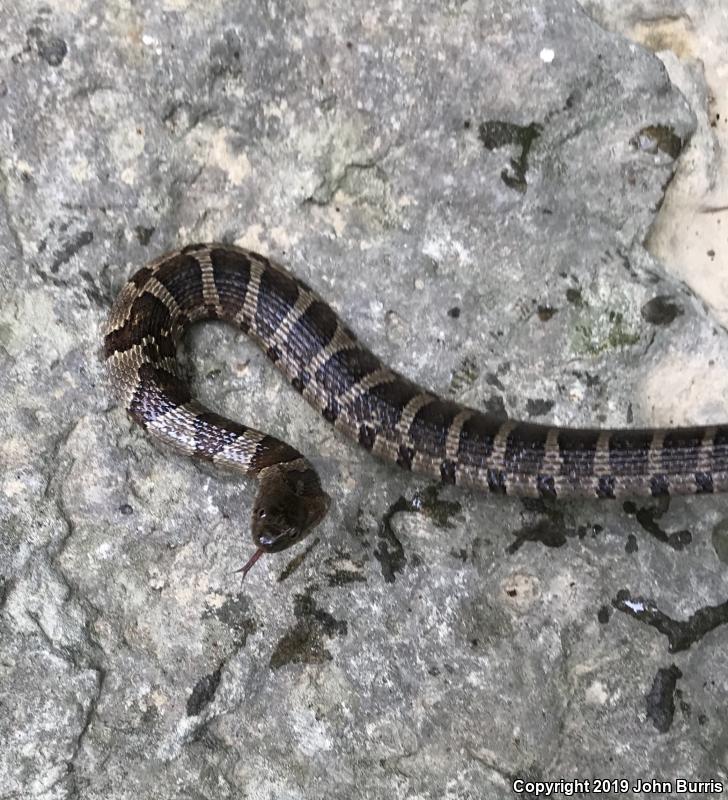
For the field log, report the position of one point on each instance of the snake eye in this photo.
(261, 513)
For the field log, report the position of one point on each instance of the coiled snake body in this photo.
(386, 413)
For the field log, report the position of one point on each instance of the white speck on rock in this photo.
(596, 694)
(547, 55)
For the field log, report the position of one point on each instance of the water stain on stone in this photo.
(547, 531)
(550, 528)
(304, 642)
(647, 517)
(546, 312)
(235, 612)
(294, 564)
(203, 692)
(681, 634)
(497, 133)
(52, 49)
(661, 310)
(70, 248)
(574, 297)
(143, 234)
(536, 407)
(660, 700)
(389, 551)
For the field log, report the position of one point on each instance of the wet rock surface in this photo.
(470, 185)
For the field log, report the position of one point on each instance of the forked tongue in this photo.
(249, 563)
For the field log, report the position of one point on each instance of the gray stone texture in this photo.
(471, 185)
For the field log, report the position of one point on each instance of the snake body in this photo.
(383, 411)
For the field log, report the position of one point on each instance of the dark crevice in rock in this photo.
(90, 716)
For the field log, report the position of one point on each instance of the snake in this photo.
(386, 413)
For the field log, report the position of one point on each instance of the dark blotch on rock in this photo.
(294, 564)
(545, 313)
(681, 634)
(546, 531)
(661, 310)
(496, 133)
(53, 50)
(304, 642)
(70, 248)
(203, 692)
(661, 698)
(647, 517)
(654, 138)
(537, 408)
(389, 551)
(550, 527)
(574, 296)
(143, 234)
(225, 55)
(235, 613)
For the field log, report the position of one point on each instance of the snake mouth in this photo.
(268, 543)
(281, 540)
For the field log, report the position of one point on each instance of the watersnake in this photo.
(386, 413)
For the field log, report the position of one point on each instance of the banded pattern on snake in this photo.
(385, 412)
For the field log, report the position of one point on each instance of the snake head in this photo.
(289, 505)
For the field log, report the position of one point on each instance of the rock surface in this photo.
(471, 184)
(690, 236)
